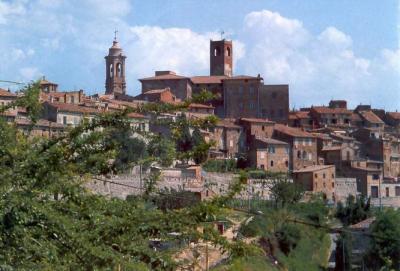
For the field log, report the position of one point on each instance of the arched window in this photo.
(272, 163)
(217, 51)
(228, 51)
(298, 154)
(111, 70)
(119, 70)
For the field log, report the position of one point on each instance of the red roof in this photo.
(194, 105)
(164, 77)
(328, 110)
(243, 77)
(299, 115)
(214, 79)
(73, 108)
(394, 115)
(370, 117)
(227, 123)
(6, 93)
(135, 115)
(295, 132)
(257, 120)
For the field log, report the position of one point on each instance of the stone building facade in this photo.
(269, 154)
(303, 146)
(317, 179)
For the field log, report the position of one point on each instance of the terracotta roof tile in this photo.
(257, 120)
(394, 115)
(164, 77)
(295, 132)
(195, 105)
(73, 108)
(215, 79)
(328, 110)
(6, 93)
(313, 168)
(370, 117)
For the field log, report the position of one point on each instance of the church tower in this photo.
(115, 69)
(221, 57)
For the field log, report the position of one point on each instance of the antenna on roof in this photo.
(222, 34)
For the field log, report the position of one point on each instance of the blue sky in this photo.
(322, 49)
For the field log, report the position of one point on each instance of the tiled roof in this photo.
(295, 132)
(394, 115)
(355, 117)
(155, 91)
(214, 79)
(271, 141)
(322, 136)
(363, 225)
(243, 77)
(328, 110)
(257, 120)
(135, 115)
(45, 82)
(40, 122)
(5, 93)
(370, 117)
(227, 123)
(164, 77)
(64, 107)
(195, 105)
(313, 168)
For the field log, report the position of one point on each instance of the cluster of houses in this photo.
(325, 148)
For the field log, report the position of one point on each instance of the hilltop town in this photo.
(330, 149)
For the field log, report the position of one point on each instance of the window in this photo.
(263, 128)
(304, 156)
(217, 51)
(374, 191)
(316, 175)
(271, 149)
(333, 185)
(64, 119)
(387, 191)
(287, 164)
(323, 175)
(111, 70)
(262, 166)
(228, 51)
(397, 191)
(375, 176)
(272, 163)
(298, 154)
(119, 70)
(72, 99)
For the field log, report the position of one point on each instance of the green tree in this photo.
(163, 149)
(385, 241)
(343, 252)
(285, 192)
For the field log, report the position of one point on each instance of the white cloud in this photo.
(9, 9)
(316, 66)
(30, 73)
(152, 48)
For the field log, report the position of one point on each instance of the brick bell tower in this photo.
(221, 56)
(115, 69)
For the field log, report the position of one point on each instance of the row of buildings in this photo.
(318, 146)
